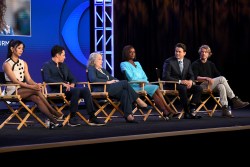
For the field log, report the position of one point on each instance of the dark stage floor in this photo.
(117, 131)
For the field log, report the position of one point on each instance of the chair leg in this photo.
(116, 108)
(149, 111)
(30, 112)
(202, 105)
(101, 108)
(217, 100)
(82, 117)
(14, 113)
(171, 102)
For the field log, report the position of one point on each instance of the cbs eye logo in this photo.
(74, 26)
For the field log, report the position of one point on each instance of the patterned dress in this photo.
(18, 69)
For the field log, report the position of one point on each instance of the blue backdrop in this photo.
(63, 22)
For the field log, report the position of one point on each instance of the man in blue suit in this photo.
(178, 68)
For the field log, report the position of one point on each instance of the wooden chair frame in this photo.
(9, 99)
(53, 99)
(210, 95)
(104, 96)
(144, 94)
(60, 96)
(170, 95)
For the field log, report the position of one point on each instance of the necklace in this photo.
(99, 69)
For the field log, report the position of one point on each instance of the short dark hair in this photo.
(181, 45)
(56, 50)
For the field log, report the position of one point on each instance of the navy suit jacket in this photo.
(171, 70)
(52, 74)
(96, 76)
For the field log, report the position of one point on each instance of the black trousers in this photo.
(196, 90)
(125, 93)
(77, 93)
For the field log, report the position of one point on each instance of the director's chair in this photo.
(208, 94)
(58, 99)
(22, 104)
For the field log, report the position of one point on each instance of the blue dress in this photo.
(137, 74)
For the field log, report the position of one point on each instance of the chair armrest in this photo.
(45, 84)
(98, 83)
(161, 83)
(199, 81)
(9, 84)
(84, 84)
(138, 82)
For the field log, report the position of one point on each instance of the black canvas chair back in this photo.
(2, 78)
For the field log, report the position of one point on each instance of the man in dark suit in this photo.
(56, 70)
(178, 68)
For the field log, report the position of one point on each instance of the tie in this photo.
(181, 65)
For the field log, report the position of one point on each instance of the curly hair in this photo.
(2, 13)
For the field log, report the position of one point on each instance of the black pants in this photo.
(196, 90)
(125, 93)
(77, 93)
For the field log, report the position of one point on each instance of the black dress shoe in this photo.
(53, 125)
(130, 121)
(197, 117)
(190, 116)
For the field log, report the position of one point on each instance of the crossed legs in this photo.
(42, 103)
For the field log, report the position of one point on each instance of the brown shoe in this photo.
(237, 103)
(226, 112)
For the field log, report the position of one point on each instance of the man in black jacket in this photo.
(56, 70)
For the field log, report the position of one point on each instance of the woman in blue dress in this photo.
(135, 72)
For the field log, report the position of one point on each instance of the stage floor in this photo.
(37, 137)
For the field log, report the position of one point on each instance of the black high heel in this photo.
(165, 117)
(61, 118)
(53, 125)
